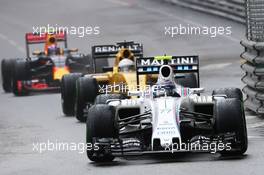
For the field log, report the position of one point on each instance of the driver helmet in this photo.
(53, 50)
(126, 65)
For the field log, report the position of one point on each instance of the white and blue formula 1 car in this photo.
(168, 117)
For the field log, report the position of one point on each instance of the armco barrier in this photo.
(253, 67)
(253, 56)
(231, 9)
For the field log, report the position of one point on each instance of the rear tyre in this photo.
(21, 73)
(68, 90)
(101, 123)
(87, 90)
(189, 81)
(7, 67)
(230, 117)
(229, 92)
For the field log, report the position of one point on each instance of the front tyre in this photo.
(101, 123)
(21, 73)
(229, 117)
(7, 67)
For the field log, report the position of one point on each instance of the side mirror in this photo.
(73, 50)
(36, 52)
(135, 93)
(197, 90)
(113, 102)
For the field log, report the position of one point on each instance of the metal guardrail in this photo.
(253, 67)
(253, 56)
(231, 9)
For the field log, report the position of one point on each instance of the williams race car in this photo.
(168, 118)
(42, 70)
(80, 91)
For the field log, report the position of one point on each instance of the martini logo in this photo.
(172, 61)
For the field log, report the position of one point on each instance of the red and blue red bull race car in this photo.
(42, 70)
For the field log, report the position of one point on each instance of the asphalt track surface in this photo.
(38, 118)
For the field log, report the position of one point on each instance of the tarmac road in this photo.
(38, 118)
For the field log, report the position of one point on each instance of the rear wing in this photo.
(179, 64)
(110, 51)
(39, 38)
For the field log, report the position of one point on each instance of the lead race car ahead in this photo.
(42, 70)
(168, 118)
(80, 91)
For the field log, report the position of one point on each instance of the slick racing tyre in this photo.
(229, 92)
(189, 81)
(101, 123)
(68, 90)
(102, 99)
(7, 67)
(21, 73)
(86, 92)
(229, 117)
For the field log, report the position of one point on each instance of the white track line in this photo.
(119, 2)
(12, 43)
